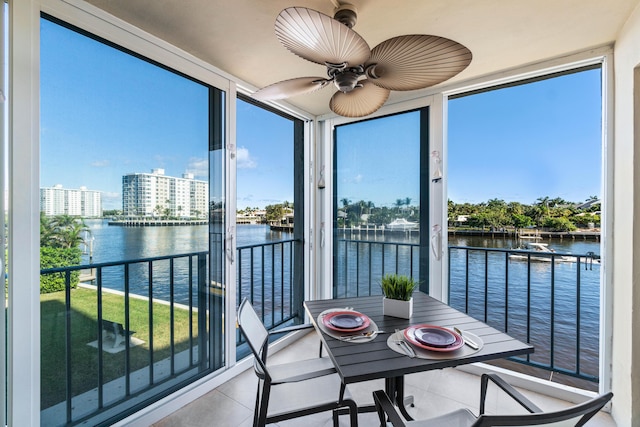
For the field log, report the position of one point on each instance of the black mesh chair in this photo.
(576, 415)
(295, 389)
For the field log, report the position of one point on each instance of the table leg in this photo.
(394, 387)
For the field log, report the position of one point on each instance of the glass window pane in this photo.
(269, 271)
(524, 175)
(125, 238)
(376, 202)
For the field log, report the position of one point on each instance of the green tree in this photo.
(62, 231)
(60, 238)
(559, 224)
(274, 213)
(521, 221)
(47, 231)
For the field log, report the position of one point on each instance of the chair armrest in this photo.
(385, 410)
(291, 329)
(507, 388)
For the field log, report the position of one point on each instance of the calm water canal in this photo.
(529, 288)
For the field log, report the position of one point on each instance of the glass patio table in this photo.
(373, 358)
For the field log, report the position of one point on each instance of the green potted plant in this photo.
(398, 295)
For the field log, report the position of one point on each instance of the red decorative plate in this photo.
(346, 321)
(433, 338)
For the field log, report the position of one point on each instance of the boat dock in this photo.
(157, 222)
(529, 234)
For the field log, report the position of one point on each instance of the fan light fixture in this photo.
(363, 76)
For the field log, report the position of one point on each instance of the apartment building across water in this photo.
(157, 195)
(57, 200)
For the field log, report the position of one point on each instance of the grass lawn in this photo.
(84, 329)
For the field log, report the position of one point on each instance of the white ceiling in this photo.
(237, 36)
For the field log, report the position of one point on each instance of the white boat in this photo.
(401, 224)
(545, 254)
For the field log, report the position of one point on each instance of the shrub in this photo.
(58, 257)
(559, 224)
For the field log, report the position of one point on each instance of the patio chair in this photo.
(294, 389)
(576, 415)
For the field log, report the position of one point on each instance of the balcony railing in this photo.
(552, 304)
(176, 284)
(550, 300)
(125, 366)
(360, 264)
(265, 277)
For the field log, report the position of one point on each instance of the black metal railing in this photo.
(548, 299)
(265, 278)
(158, 288)
(361, 264)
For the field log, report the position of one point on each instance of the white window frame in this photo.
(602, 56)
(437, 100)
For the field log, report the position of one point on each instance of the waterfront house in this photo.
(229, 46)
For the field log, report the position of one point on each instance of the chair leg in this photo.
(256, 411)
(262, 418)
(353, 413)
(335, 418)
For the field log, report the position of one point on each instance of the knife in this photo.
(409, 349)
(471, 343)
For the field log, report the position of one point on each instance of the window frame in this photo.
(600, 57)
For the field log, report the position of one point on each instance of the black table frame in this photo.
(357, 362)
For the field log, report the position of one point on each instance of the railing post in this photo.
(203, 296)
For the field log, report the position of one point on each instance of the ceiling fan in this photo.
(363, 76)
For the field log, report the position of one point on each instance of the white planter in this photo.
(397, 308)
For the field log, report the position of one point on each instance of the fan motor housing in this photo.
(347, 14)
(346, 81)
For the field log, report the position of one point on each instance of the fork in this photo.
(362, 335)
(402, 343)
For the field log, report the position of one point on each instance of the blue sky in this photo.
(105, 114)
(264, 157)
(525, 142)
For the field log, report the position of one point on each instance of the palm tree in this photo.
(370, 205)
(62, 231)
(46, 230)
(72, 236)
(543, 203)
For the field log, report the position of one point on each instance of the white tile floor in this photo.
(436, 392)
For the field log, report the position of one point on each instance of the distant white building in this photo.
(155, 194)
(57, 200)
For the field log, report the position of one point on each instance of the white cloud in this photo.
(244, 159)
(199, 167)
(100, 163)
